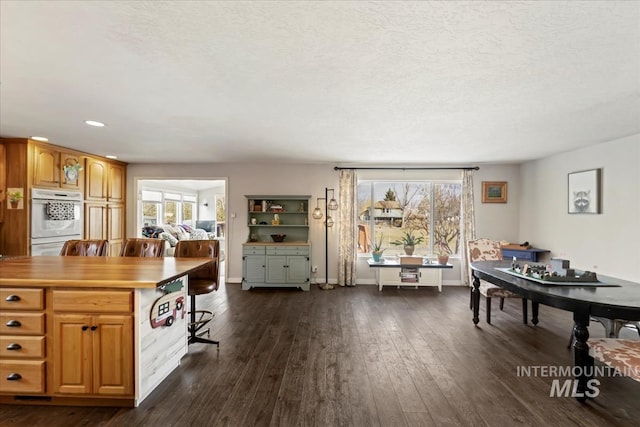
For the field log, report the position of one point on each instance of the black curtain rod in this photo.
(475, 168)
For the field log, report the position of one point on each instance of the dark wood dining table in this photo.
(612, 298)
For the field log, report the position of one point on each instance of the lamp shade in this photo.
(329, 221)
(317, 213)
(333, 205)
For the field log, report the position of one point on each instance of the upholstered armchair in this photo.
(489, 250)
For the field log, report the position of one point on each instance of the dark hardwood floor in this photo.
(359, 357)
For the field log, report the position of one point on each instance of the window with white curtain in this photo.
(428, 208)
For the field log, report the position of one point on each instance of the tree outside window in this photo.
(431, 209)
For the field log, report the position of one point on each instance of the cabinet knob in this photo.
(93, 328)
(13, 324)
(14, 346)
(85, 327)
(12, 298)
(14, 376)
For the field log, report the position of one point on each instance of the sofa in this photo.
(173, 233)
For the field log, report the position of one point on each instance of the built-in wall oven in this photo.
(56, 216)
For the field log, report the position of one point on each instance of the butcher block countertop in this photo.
(86, 272)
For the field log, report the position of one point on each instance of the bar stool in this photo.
(138, 247)
(201, 281)
(85, 248)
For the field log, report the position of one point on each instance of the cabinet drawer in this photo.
(21, 299)
(22, 376)
(19, 346)
(93, 301)
(287, 250)
(18, 323)
(253, 250)
(521, 255)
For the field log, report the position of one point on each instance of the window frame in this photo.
(380, 180)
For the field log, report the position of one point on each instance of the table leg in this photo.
(476, 299)
(534, 310)
(581, 356)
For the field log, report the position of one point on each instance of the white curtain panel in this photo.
(346, 229)
(468, 226)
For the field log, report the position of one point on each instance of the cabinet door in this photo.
(72, 364)
(95, 221)
(253, 268)
(113, 355)
(74, 179)
(389, 276)
(46, 167)
(116, 183)
(115, 218)
(95, 179)
(297, 269)
(430, 276)
(276, 271)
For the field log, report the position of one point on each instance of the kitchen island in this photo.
(89, 330)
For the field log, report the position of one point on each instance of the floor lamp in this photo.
(329, 204)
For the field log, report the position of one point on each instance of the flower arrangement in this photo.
(71, 171)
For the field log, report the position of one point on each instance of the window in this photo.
(188, 209)
(428, 209)
(151, 207)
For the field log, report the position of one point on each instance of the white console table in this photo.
(392, 273)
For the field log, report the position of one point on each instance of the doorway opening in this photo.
(175, 209)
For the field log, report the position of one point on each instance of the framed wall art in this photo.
(494, 192)
(584, 193)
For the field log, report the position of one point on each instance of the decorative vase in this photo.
(377, 256)
(408, 249)
(443, 259)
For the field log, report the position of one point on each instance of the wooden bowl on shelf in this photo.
(278, 237)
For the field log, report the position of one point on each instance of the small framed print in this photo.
(584, 192)
(494, 192)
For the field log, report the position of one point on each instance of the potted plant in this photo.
(14, 198)
(376, 249)
(443, 254)
(408, 241)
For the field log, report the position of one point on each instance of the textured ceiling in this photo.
(340, 82)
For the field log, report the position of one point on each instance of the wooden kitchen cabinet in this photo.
(95, 179)
(105, 193)
(49, 168)
(22, 341)
(40, 165)
(93, 343)
(93, 354)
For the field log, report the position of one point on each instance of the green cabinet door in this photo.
(276, 269)
(253, 268)
(297, 269)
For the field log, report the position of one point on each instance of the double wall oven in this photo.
(56, 216)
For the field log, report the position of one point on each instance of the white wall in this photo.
(536, 210)
(246, 179)
(608, 243)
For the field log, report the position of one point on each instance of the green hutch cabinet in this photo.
(277, 250)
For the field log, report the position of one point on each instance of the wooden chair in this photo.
(138, 247)
(202, 281)
(85, 248)
(489, 250)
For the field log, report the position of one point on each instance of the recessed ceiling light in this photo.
(110, 156)
(39, 138)
(94, 123)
